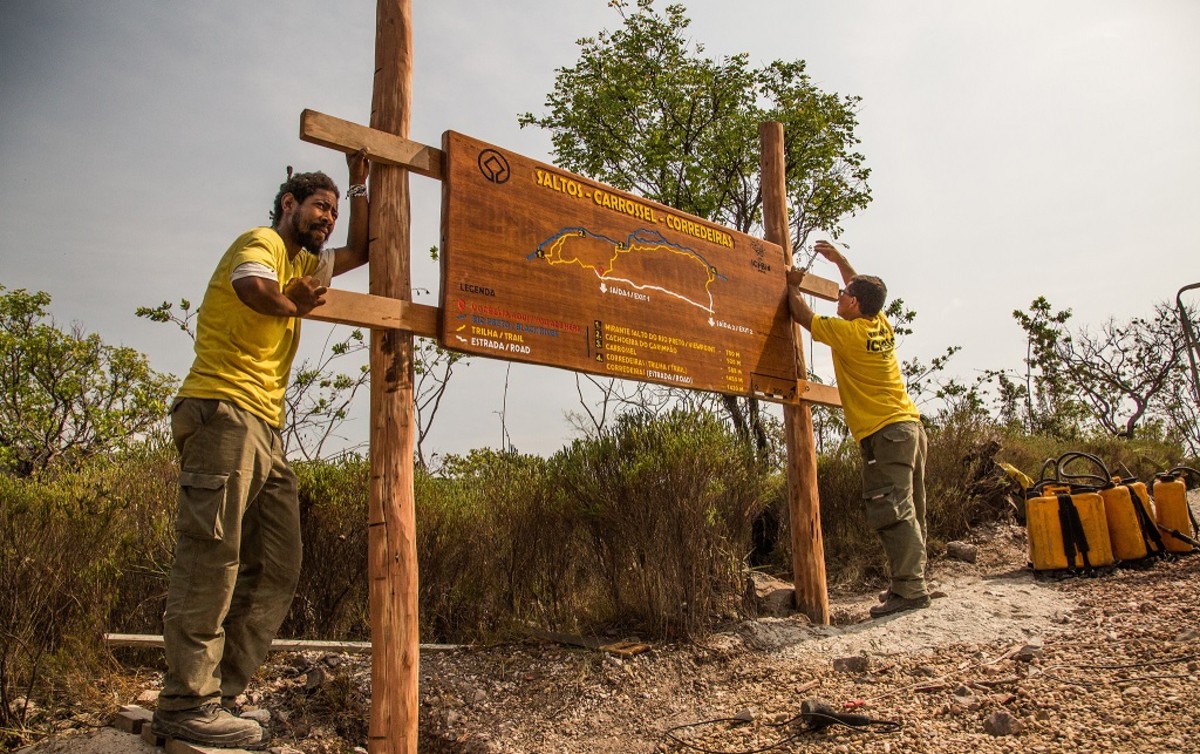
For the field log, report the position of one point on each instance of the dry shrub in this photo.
(667, 504)
(331, 596)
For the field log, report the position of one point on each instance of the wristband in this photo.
(356, 190)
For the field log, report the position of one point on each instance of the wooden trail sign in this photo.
(544, 266)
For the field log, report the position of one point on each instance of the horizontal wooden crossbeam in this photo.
(820, 287)
(377, 313)
(816, 392)
(381, 146)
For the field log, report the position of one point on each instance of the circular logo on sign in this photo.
(493, 166)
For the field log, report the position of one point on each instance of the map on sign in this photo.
(544, 266)
(635, 262)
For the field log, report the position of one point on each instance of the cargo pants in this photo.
(237, 552)
(893, 477)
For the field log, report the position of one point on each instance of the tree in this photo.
(646, 111)
(1050, 405)
(1121, 370)
(66, 395)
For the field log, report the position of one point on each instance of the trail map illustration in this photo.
(544, 266)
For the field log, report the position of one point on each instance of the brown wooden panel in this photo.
(376, 312)
(544, 266)
(381, 146)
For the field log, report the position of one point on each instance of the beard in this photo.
(309, 238)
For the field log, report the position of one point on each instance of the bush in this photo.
(667, 504)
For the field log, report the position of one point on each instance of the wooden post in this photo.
(804, 510)
(392, 520)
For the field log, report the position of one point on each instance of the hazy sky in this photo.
(1018, 148)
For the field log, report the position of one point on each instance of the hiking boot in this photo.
(210, 725)
(897, 604)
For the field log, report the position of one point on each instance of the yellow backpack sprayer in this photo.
(1173, 515)
(1065, 522)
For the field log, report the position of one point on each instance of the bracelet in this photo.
(356, 190)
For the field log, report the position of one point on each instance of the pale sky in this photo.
(1018, 148)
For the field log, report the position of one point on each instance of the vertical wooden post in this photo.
(804, 510)
(391, 517)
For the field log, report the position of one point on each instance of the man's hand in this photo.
(830, 252)
(306, 293)
(359, 167)
(827, 250)
(795, 276)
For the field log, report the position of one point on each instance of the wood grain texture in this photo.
(377, 313)
(392, 556)
(382, 147)
(804, 509)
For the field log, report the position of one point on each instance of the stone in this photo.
(770, 596)
(852, 664)
(962, 551)
(1001, 723)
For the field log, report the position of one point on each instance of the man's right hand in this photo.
(306, 293)
(827, 250)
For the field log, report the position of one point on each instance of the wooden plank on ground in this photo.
(381, 146)
(153, 641)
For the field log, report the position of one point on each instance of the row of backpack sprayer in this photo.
(1080, 522)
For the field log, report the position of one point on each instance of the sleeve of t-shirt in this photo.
(257, 253)
(832, 331)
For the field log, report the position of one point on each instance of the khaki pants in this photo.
(237, 553)
(893, 477)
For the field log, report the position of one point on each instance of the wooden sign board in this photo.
(543, 266)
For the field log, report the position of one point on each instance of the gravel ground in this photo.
(1003, 662)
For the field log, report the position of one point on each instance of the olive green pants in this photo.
(237, 552)
(893, 476)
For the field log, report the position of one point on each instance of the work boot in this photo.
(210, 725)
(897, 604)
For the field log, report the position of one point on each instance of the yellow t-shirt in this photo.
(868, 376)
(243, 356)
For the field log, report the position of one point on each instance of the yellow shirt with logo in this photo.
(868, 376)
(243, 356)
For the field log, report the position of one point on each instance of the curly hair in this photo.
(301, 186)
(870, 292)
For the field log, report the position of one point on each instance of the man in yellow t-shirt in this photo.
(883, 420)
(238, 550)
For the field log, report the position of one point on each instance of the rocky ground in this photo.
(1003, 662)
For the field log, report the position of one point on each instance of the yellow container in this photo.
(1170, 495)
(1124, 528)
(1086, 543)
(1132, 530)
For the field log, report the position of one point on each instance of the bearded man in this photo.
(238, 550)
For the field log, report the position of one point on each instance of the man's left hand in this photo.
(359, 167)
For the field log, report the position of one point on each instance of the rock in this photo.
(260, 716)
(962, 551)
(149, 696)
(315, 678)
(746, 715)
(1188, 635)
(925, 671)
(852, 664)
(1031, 650)
(1001, 723)
(770, 596)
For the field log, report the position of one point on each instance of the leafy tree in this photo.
(66, 395)
(645, 110)
(1050, 406)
